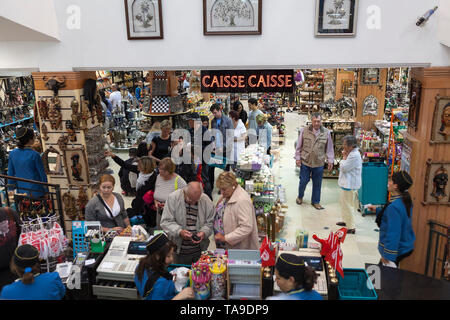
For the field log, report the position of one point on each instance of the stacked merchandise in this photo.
(16, 108)
(370, 145)
(311, 90)
(397, 91)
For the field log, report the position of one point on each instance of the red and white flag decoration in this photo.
(331, 249)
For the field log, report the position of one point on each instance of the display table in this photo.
(397, 284)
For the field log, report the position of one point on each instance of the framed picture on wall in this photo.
(370, 76)
(336, 18)
(436, 189)
(414, 103)
(232, 17)
(76, 165)
(441, 121)
(144, 19)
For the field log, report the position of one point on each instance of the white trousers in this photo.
(348, 206)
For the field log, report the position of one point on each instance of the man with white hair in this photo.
(187, 220)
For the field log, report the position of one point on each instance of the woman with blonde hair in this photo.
(161, 146)
(145, 169)
(108, 207)
(166, 183)
(237, 213)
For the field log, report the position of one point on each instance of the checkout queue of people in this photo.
(187, 217)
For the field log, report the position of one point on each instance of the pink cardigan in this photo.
(239, 222)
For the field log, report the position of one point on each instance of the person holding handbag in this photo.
(108, 207)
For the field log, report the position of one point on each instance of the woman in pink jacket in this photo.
(238, 215)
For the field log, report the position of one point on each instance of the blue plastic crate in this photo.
(374, 183)
(354, 286)
(218, 162)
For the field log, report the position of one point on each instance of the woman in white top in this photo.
(166, 183)
(350, 169)
(240, 134)
(107, 207)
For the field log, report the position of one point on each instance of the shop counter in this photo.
(397, 284)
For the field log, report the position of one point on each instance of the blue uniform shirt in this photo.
(46, 286)
(163, 289)
(302, 294)
(396, 233)
(27, 164)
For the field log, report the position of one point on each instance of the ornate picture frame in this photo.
(441, 121)
(415, 94)
(436, 188)
(76, 164)
(232, 17)
(144, 19)
(336, 18)
(370, 76)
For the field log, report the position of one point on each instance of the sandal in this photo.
(299, 201)
(318, 206)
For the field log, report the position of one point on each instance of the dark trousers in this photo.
(306, 173)
(401, 257)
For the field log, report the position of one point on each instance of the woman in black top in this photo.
(237, 106)
(145, 183)
(161, 146)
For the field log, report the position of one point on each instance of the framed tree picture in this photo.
(232, 17)
(441, 121)
(144, 19)
(414, 103)
(336, 18)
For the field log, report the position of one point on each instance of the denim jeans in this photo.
(306, 173)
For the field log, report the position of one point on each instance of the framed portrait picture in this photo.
(441, 121)
(370, 76)
(336, 18)
(144, 19)
(436, 189)
(414, 103)
(76, 165)
(232, 17)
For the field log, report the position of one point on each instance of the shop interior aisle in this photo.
(358, 249)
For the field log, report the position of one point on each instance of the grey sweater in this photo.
(95, 211)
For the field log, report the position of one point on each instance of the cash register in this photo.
(313, 259)
(115, 274)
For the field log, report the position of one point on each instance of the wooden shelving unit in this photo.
(311, 91)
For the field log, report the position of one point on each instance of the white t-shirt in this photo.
(116, 99)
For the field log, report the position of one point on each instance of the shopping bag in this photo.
(267, 252)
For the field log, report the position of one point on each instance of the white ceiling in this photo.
(12, 31)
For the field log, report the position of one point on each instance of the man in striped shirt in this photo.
(187, 220)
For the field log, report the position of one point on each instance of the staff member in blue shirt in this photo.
(394, 220)
(32, 285)
(26, 163)
(152, 279)
(296, 279)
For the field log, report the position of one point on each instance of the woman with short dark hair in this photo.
(26, 163)
(237, 106)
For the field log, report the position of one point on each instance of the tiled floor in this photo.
(358, 249)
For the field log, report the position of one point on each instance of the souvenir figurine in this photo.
(71, 131)
(55, 114)
(62, 142)
(44, 132)
(54, 84)
(440, 181)
(82, 201)
(70, 207)
(45, 158)
(75, 115)
(445, 122)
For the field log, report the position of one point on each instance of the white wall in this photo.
(287, 40)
